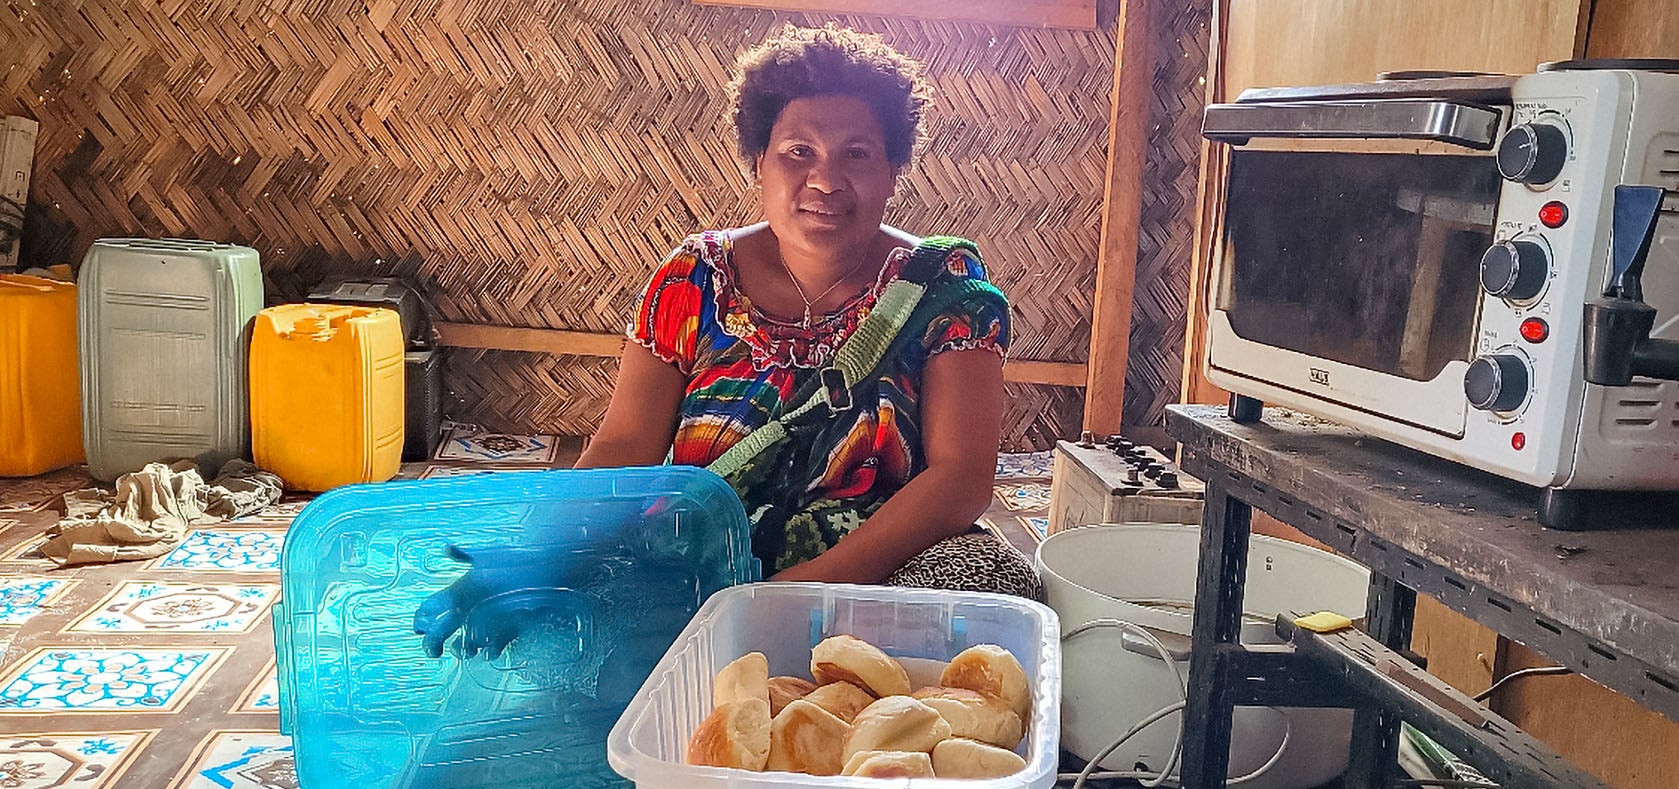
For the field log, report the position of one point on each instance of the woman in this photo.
(736, 322)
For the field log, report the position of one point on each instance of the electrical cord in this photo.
(1526, 672)
(1179, 684)
(1182, 686)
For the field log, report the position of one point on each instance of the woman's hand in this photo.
(641, 418)
(962, 425)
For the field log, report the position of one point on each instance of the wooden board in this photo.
(1209, 210)
(1459, 650)
(1075, 14)
(1634, 28)
(1116, 268)
(577, 343)
(1332, 41)
(1597, 729)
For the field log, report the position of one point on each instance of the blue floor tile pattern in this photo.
(242, 760)
(183, 607)
(23, 598)
(137, 699)
(91, 680)
(33, 760)
(226, 550)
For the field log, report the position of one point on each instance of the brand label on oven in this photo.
(1319, 376)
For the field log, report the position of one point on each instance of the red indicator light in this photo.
(1535, 330)
(1518, 441)
(1553, 214)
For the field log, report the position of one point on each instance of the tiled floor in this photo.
(160, 674)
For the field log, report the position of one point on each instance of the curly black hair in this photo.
(828, 61)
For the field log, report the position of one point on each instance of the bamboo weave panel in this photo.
(1166, 236)
(526, 163)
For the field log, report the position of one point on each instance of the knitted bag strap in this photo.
(859, 355)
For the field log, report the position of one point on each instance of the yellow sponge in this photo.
(1324, 622)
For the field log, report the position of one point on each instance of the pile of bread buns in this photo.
(859, 716)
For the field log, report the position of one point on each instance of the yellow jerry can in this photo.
(40, 376)
(327, 394)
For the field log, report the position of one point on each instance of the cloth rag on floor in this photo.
(151, 509)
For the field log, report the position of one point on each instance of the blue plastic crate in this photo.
(596, 571)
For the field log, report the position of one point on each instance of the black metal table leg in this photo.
(1375, 744)
(1219, 584)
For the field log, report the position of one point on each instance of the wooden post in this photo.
(1122, 203)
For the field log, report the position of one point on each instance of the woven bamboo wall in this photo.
(1166, 238)
(527, 163)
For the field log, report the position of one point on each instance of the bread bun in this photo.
(991, 670)
(974, 715)
(786, 689)
(843, 699)
(955, 758)
(896, 723)
(805, 738)
(853, 660)
(746, 678)
(736, 734)
(889, 764)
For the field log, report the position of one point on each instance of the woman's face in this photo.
(825, 177)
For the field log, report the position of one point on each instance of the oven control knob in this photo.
(1533, 153)
(1515, 269)
(1497, 382)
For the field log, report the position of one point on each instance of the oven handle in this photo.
(1460, 123)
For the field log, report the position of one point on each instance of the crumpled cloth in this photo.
(150, 511)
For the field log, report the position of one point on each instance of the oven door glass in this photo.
(1368, 259)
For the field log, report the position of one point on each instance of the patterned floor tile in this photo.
(497, 447)
(32, 493)
(1025, 465)
(179, 606)
(29, 552)
(1024, 496)
(241, 760)
(263, 695)
(225, 551)
(281, 514)
(23, 598)
(1039, 526)
(57, 680)
(88, 761)
(443, 472)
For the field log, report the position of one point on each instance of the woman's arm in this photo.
(961, 428)
(641, 418)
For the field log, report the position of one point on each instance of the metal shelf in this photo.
(1599, 602)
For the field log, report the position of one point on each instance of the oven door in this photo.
(1351, 242)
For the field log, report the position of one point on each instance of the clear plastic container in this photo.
(599, 572)
(783, 621)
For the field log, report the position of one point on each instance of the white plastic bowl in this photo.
(1113, 681)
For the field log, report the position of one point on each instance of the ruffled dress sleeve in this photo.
(667, 313)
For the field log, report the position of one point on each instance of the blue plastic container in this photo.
(591, 574)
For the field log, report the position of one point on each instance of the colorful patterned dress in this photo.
(743, 366)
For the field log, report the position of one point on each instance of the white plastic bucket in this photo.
(1111, 680)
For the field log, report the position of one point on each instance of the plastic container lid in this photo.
(596, 571)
